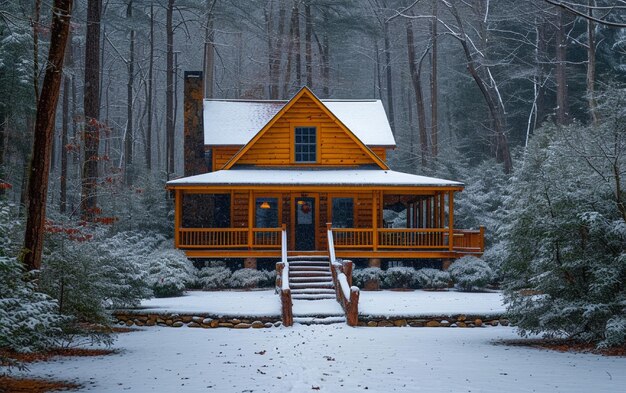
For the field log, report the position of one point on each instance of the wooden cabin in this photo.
(311, 168)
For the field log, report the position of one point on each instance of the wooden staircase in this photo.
(313, 291)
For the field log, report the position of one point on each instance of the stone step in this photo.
(308, 268)
(319, 320)
(327, 279)
(311, 285)
(298, 291)
(307, 257)
(310, 273)
(312, 296)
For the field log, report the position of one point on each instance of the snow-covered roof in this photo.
(236, 122)
(311, 177)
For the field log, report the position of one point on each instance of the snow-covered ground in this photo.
(378, 303)
(334, 358)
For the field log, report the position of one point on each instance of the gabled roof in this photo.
(308, 93)
(236, 122)
(312, 177)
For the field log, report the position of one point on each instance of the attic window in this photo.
(305, 144)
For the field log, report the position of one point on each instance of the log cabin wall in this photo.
(239, 209)
(275, 147)
(221, 155)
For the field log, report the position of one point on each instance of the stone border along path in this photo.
(213, 321)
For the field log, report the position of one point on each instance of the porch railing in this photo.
(225, 238)
(408, 238)
(346, 294)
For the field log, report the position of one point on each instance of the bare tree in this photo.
(91, 107)
(44, 131)
(169, 88)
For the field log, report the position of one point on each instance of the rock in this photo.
(197, 319)
(207, 321)
(277, 324)
(150, 323)
(169, 322)
(268, 324)
(142, 318)
(445, 323)
(178, 324)
(494, 322)
(478, 322)
(400, 322)
(372, 324)
(139, 323)
(160, 320)
(385, 323)
(416, 323)
(235, 321)
(504, 322)
(433, 324)
(225, 325)
(461, 318)
(129, 323)
(193, 325)
(186, 318)
(461, 324)
(215, 323)
(242, 326)
(453, 325)
(257, 324)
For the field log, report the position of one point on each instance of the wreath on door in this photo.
(306, 208)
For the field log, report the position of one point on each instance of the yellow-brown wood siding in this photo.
(221, 155)
(275, 147)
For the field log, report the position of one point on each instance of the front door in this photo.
(304, 223)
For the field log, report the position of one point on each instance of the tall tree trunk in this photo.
(326, 62)
(388, 73)
(44, 127)
(562, 101)
(591, 64)
(36, 23)
(209, 50)
(415, 71)
(290, 54)
(308, 54)
(65, 129)
(169, 88)
(91, 107)
(434, 90)
(149, 99)
(296, 42)
(3, 127)
(541, 53)
(128, 139)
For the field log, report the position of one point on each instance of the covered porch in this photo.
(370, 214)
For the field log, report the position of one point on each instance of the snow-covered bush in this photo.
(269, 279)
(213, 277)
(428, 278)
(169, 272)
(399, 277)
(362, 276)
(470, 273)
(29, 320)
(246, 278)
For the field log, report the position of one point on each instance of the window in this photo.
(306, 144)
(343, 213)
(266, 213)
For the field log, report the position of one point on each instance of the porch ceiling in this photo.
(367, 178)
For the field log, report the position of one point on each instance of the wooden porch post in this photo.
(250, 219)
(451, 220)
(375, 220)
(178, 202)
(442, 210)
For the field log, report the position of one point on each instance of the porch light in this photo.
(300, 202)
(265, 205)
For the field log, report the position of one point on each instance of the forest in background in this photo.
(521, 100)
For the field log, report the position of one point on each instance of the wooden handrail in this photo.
(282, 281)
(347, 295)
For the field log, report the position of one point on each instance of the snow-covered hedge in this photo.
(169, 272)
(213, 277)
(361, 276)
(400, 277)
(248, 278)
(470, 273)
(428, 278)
